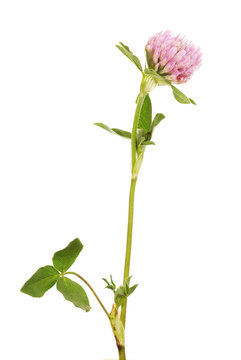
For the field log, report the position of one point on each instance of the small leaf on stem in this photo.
(133, 288)
(126, 51)
(123, 292)
(123, 133)
(129, 290)
(127, 284)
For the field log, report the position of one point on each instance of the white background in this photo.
(62, 177)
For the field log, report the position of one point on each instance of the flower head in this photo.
(172, 56)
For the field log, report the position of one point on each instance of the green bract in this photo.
(158, 79)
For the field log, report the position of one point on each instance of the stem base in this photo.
(122, 354)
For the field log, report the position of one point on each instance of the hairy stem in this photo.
(90, 287)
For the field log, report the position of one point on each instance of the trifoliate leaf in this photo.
(73, 292)
(41, 281)
(64, 258)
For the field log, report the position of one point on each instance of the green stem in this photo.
(135, 170)
(90, 287)
(122, 354)
(128, 242)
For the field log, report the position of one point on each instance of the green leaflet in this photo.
(64, 258)
(73, 292)
(180, 97)
(145, 118)
(41, 281)
(123, 133)
(126, 51)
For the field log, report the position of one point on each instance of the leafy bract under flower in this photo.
(172, 56)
